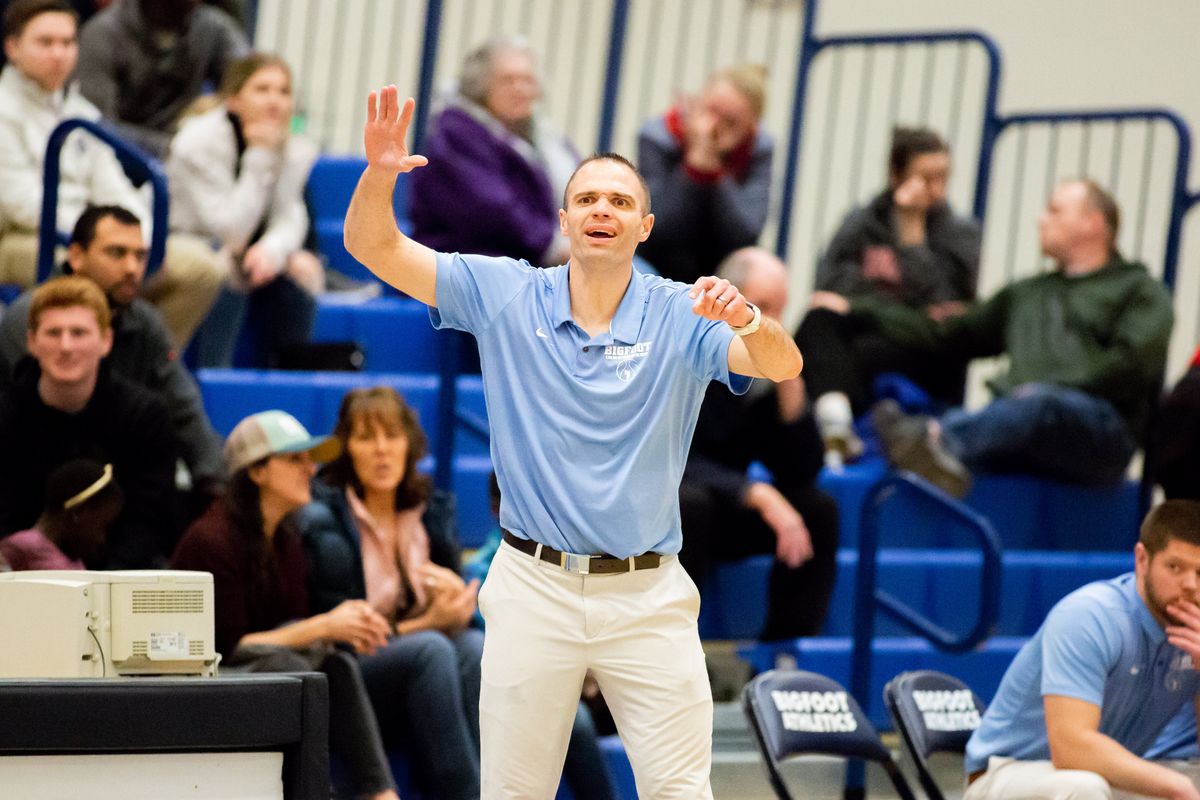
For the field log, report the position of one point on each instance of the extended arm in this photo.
(1073, 728)
(767, 353)
(372, 235)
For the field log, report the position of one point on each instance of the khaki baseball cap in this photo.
(270, 433)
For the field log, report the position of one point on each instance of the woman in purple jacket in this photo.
(496, 170)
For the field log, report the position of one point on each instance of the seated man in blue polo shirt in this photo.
(1113, 663)
(593, 376)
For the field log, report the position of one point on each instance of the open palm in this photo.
(386, 130)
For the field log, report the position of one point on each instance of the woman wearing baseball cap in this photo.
(248, 543)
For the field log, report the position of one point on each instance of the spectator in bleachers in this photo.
(1178, 437)
(729, 515)
(497, 168)
(583, 769)
(381, 533)
(908, 247)
(1086, 342)
(143, 62)
(237, 178)
(82, 502)
(35, 96)
(249, 543)
(65, 403)
(107, 247)
(708, 166)
(1112, 664)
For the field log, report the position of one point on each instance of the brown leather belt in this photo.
(585, 565)
(976, 775)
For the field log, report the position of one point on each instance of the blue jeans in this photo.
(1044, 430)
(425, 690)
(276, 315)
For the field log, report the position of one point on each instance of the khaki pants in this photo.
(1038, 780)
(186, 286)
(636, 632)
(18, 258)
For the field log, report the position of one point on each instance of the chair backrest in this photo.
(795, 713)
(935, 713)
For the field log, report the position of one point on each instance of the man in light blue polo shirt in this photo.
(1113, 663)
(593, 377)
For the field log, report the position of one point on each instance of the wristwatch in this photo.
(751, 326)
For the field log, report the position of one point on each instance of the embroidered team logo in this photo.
(629, 358)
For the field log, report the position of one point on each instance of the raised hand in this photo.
(386, 130)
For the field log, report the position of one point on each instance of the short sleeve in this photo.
(706, 345)
(472, 290)
(1077, 650)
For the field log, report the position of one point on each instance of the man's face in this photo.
(1169, 576)
(513, 88)
(115, 260)
(46, 50)
(1067, 220)
(766, 285)
(69, 344)
(603, 218)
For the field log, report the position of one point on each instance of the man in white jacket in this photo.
(41, 46)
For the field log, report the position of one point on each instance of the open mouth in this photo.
(600, 234)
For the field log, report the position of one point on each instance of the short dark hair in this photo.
(84, 232)
(1173, 519)
(620, 159)
(908, 143)
(20, 12)
(1102, 200)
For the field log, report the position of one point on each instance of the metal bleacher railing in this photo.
(140, 168)
(869, 598)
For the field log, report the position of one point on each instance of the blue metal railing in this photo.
(868, 597)
(1179, 202)
(814, 45)
(145, 168)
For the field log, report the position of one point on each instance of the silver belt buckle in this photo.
(572, 562)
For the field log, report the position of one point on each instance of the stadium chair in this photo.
(940, 720)
(795, 713)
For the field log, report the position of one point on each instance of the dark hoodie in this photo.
(123, 425)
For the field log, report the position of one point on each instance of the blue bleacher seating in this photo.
(394, 333)
(330, 186)
(942, 584)
(1028, 513)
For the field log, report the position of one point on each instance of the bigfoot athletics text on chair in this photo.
(934, 713)
(796, 713)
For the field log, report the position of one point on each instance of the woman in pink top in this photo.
(380, 532)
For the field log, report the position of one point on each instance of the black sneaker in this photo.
(908, 445)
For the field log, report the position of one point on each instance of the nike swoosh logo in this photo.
(541, 332)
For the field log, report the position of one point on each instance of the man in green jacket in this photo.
(1087, 346)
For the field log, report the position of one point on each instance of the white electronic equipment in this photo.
(82, 624)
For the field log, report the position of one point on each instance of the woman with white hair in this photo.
(496, 170)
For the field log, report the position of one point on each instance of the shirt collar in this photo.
(626, 323)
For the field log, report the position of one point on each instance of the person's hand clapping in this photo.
(701, 150)
(355, 623)
(452, 602)
(718, 299)
(386, 130)
(830, 301)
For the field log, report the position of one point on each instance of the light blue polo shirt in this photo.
(589, 435)
(1099, 644)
